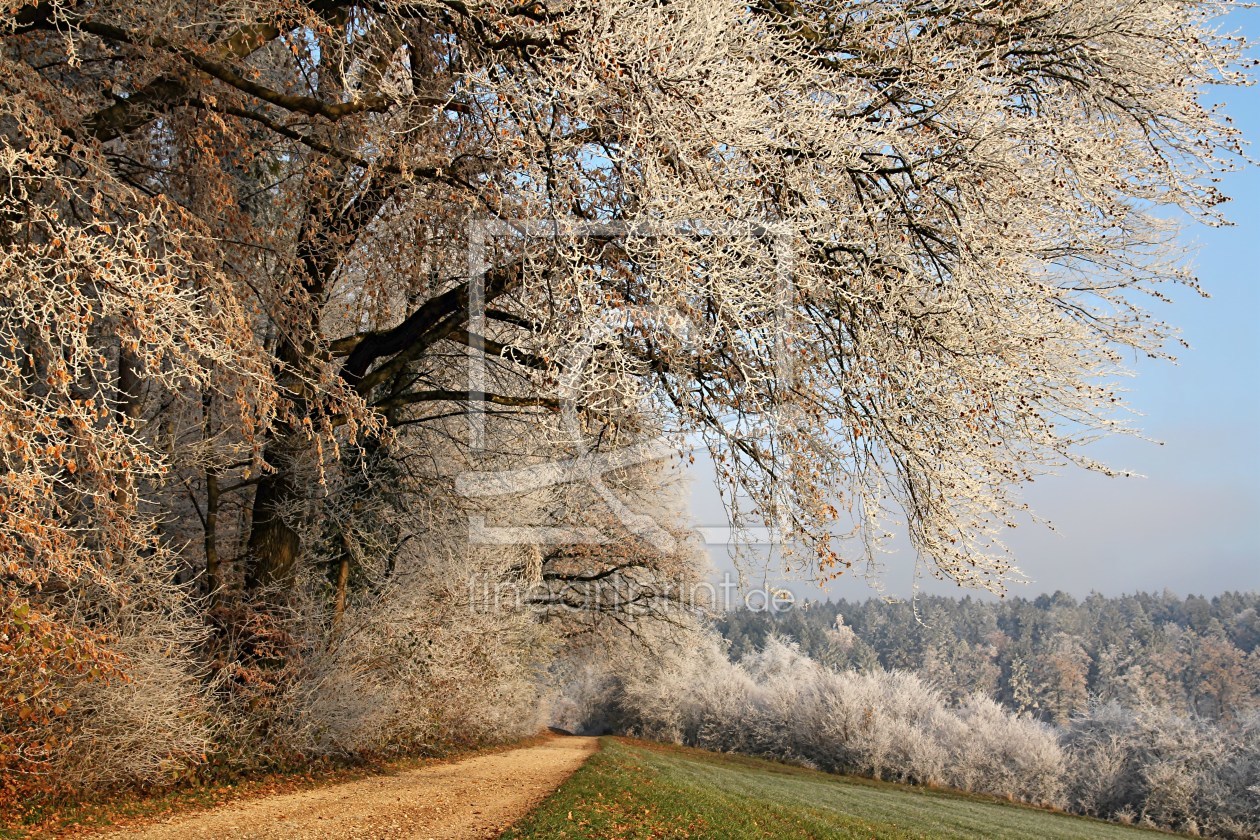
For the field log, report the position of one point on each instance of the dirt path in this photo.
(474, 798)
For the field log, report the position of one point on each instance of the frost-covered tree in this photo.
(879, 255)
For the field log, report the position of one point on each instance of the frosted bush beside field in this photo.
(583, 687)
(411, 666)
(1148, 766)
(1239, 775)
(999, 752)
(780, 704)
(1167, 770)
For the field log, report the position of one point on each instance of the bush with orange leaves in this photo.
(39, 658)
(101, 288)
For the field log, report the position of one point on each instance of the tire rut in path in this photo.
(477, 797)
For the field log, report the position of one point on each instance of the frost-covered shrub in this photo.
(1167, 769)
(151, 721)
(1150, 766)
(416, 666)
(780, 704)
(583, 687)
(999, 752)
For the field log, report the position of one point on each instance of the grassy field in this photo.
(635, 790)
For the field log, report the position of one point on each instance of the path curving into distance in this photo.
(477, 797)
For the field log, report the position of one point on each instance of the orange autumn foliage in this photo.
(40, 657)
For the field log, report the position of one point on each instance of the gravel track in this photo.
(474, 798)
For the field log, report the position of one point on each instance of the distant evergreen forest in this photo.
(1051, 656)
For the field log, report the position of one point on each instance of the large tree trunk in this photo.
(273, 544)
(214, 575)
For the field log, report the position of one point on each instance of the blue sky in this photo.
(1192, 524)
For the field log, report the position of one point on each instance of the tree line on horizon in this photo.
(1051, 656)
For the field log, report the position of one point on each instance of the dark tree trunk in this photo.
(342, 580)
(273, 544)
(214, 576)
(129, 386)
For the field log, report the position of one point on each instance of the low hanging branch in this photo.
(464, 396)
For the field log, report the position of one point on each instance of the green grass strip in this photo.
(634, 791)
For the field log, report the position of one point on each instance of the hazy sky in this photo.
(1192, 524)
